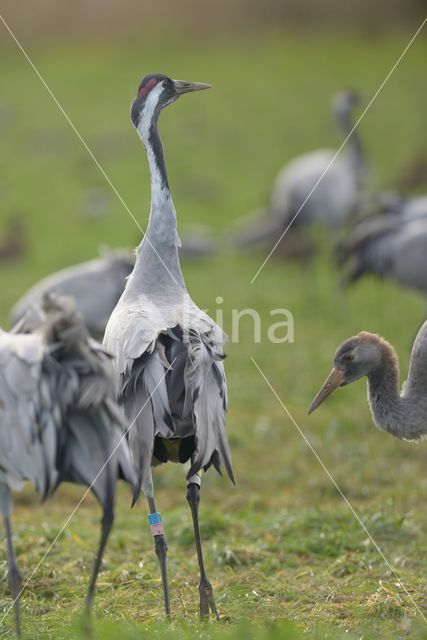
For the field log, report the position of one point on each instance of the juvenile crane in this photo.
(168, 353)
(401, 413)
(59, 421)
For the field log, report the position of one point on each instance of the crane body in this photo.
(168, 353)
(390, 245)
(59, 420)
(320, 187)
(96, 285)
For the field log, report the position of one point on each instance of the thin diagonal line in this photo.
(85, 145)
(338, 488)
(384, 82)
(70, 517)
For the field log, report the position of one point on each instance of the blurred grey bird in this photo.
(408, 208)
(392, 245)
(96, 286)
(59, 420)
(401, 413)
(337, 196)
(168, 353)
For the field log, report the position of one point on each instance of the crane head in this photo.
(344, 102)
(157, 91)
(357, 357)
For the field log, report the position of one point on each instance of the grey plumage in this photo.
(392, 245)
(168, 353)
(411, 209)
(27, 426)
(96, 285)
(401, 413)
(59, 420)
(169, 357)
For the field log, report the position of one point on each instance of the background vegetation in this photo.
(282, 548)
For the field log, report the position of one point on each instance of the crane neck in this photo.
(388, 408)
(355, 151)
(156, 159)
(157, 266)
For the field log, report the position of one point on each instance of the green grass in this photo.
(282, 548)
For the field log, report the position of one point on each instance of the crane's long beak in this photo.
(181, 86)
(334, 380)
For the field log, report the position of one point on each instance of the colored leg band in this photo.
(156, 524)
(196, 479)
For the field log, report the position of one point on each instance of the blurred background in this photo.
(275, 68)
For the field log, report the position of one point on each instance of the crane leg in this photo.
(207, 601)
(106, 526)
(161, 549)
(14, 575)
(160, 545)
(109, 475)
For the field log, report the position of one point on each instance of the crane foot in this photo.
(207, 600)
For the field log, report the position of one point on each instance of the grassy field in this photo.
(286, 556)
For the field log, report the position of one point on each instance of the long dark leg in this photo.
(161, 548)
(106, 526)
(110, 478)
(14, 575)
(158, 534)
(207, 601)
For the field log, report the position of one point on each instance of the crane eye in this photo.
(348, 358)
(164, 84)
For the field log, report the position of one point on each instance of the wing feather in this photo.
(206, 391)
(27, 431)
(189, 398)
(145, 399)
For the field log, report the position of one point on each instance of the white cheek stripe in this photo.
(144, 133)
(151, 102)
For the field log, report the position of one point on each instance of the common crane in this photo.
(168, 353)
(401, 413)
(59, 420)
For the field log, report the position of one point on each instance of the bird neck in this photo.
(157, 257)
(387, 406)
(156, 159)
(355, 152)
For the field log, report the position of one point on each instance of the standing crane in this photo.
(59, 421)
(403, 414)
(316, 186)
(168, 353)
